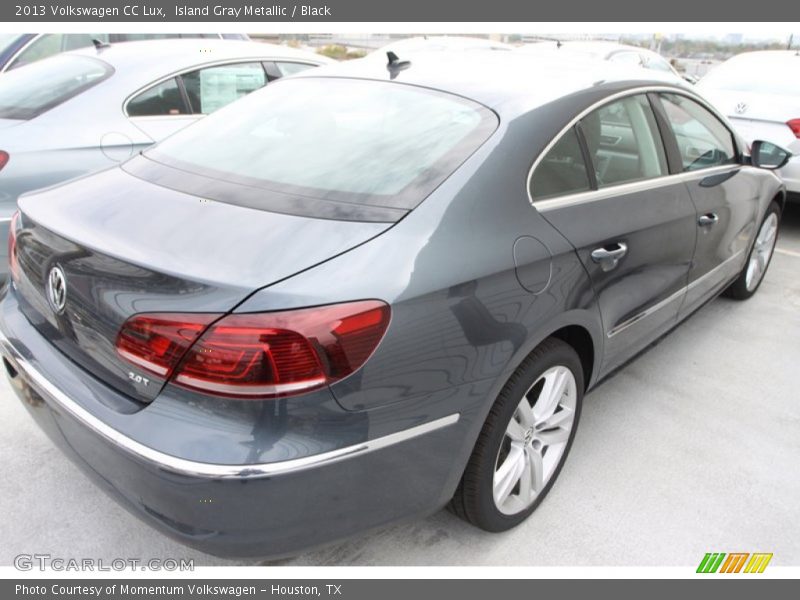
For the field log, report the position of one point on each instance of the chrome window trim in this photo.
(612, 190)
(192, 468)
(630, 187)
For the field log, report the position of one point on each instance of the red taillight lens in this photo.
(156, 342)
(794, 125)
(263, 355)
(13, 262)
(3, 159)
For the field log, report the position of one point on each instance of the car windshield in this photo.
(348, 140)
(27, 92)
(761, 75)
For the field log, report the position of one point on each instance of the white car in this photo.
(610, 51)
(760, 94)
(441, 43)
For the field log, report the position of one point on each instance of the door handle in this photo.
(608, 256)
(707, 220)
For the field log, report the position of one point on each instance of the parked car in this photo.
(371, 290)
(441, 43)
(622, 54)
(87, 110)
(19, 49)
(762, 102)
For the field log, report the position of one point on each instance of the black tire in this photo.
(738, 289)
(474, 500)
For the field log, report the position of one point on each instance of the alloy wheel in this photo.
(762, 251)
(535, 440)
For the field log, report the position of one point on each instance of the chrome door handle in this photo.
(707, 220)
(608, 256)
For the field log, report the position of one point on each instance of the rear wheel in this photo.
(760, 255)
(524, 441)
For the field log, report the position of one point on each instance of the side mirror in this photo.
(767, 155)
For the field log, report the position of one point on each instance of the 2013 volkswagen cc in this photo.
(372, 290)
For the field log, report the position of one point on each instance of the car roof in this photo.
(601, 48)
(142, 62)
(767, 55)
(443, 43)
(507, 82)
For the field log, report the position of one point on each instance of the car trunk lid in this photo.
(126, 246)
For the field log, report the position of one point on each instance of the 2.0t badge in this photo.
(57, 289)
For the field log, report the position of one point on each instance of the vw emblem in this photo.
(57, 289)
(741, 108)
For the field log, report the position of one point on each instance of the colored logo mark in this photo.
(734, 562)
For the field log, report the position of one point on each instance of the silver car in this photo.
(760, 94)
(613, 52)
(87, 110)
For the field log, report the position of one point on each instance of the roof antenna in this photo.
(395, 65)
(100, 45)
(558, 44)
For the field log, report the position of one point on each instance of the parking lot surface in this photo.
(692, 448)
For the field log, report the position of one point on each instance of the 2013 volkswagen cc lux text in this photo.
(373, 290)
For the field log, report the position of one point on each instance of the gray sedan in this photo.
(87, 110)
(373, 290)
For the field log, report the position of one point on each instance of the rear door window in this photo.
(290, 68)
(624, 142)
(562, 170)
(703, 140)
(160, 100)
(212, 88)
(27, 93)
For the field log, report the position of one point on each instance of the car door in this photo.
(170, 105)
(725, 198)
(631, 223)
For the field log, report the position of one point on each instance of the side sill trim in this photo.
(666, 301)
(646, 313)
(199, 469)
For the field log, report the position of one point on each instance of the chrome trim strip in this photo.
(539, 204)
(629, 188)
(684, 290)
(201, 469)
(646, 313)
(715, 270)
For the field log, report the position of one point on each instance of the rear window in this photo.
(337, 140)
(759, 74)
(27, 93)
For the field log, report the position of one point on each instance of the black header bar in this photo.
(437, 11)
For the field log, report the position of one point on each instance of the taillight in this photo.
(257, 355)
(157, 342)
(3, 159)
(794, 125)
(13, 261)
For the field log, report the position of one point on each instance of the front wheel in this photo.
(524, 441)
(760, 256)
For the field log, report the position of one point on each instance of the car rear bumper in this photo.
(260, 509)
